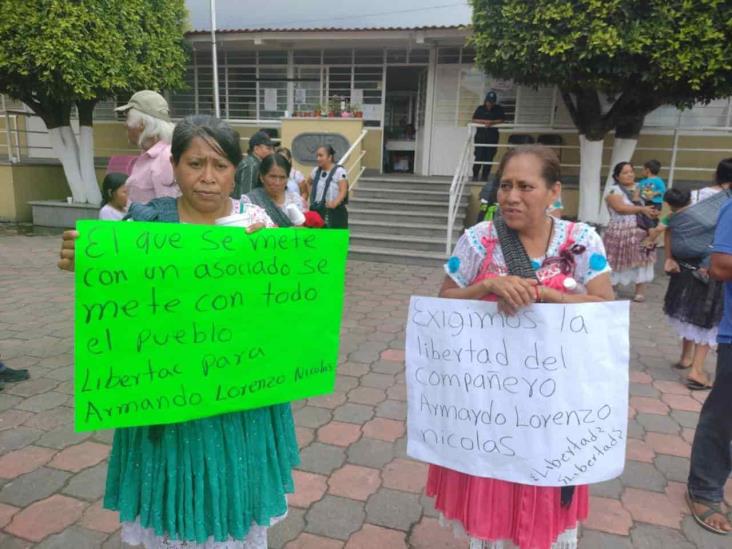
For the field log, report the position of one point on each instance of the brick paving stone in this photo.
(643, 390)
(61, 438)
(11, 542)
(688, 435)
(76, 537)
(312, 417)
(31, 387)
(673, 468)
(10, 419)
(25, 460)
(428, 534)
(321, 458)
(8, 402)
(392, 409)
(6, 513)
(354, 481)
(608, 489)
(99, 519)
(652, 507)
(309, 488)
(393, 355)
(702, 538)
(79, 457)
(397, 391)
(638, 450)
(370, 453)
(671, 387)
(335, 517)
(286, 530)
(339, 433)
(640, 377)
(384, 429)
(371, 536)
(668, 444)
(43, 518)
(33, 486)
(386, 367)
(43, 401)
(330, 401)
(646, 536)
(682, 402)
(685, 419)
(608, 515)
(88, 484)
(644, 476)
(405, 474)
(366, 395)
(309, 541)
(377, 381)
(304, 436)
(20, 437)
(356, 369)
(649, 405)
(592, 539)
(345, 383)
(353, 413)
(49, 420)
(635, 429)
(659, 424)
(393, 509)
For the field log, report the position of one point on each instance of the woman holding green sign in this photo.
(219, 481)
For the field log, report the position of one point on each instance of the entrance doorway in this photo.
(404, 118)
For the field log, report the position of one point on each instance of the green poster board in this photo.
(176, 322)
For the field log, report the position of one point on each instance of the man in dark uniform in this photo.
(488, 115)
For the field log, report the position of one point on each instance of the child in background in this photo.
(114, 195)
(652, 187)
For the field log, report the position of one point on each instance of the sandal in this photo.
(694, 385)
(700, 518)
(681, 366)
(639, 298)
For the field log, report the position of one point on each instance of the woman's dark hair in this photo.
(272, 160)
(217, 133)
(724, 171)
(676, 198)
(329, 150)
(653, 166)
(550, 171)
(284, 151)
(110, 184)
(619, 168)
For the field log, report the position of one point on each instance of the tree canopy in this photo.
(54, 53)
(639, 54)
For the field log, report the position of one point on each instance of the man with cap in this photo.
(149, 127)
(247, 172)
(488, 115)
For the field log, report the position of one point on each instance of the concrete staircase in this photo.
(401, 219)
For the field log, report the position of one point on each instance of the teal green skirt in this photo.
(210, 477)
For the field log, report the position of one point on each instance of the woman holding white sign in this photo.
(523, 256)
(221, 481)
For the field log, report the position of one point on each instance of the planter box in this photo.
(60, 214)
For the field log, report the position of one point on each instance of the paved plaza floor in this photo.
(355, 488)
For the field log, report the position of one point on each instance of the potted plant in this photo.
(334, 107)
(318, 111)
(356, 110)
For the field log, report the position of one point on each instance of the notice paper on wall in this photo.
(176, 322)
(538, 398)
(270, 99)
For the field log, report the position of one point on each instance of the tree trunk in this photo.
(589, 177)
(86, 152)
(69, 161)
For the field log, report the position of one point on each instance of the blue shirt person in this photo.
(652, 187)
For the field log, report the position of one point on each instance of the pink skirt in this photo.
(623, 242)
(531, 517)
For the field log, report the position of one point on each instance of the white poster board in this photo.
(539, 398)
(270, 99)
(300, 95)
(356, 97)
(371, 112)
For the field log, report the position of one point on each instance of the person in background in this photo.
(711, 459)
(488, 115)
(328, 189)
(631, 260)
(149, 127)
(247, 172)
(652, 187)
(218, 482)
(496, 513)
(296, 180)
(284, 207)
(114, 197)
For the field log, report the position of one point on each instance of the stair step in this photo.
(400, 241)
(436, 230)
(396, 183)
(404, 194)
(403, 205)
(388, 255)
(392, 216)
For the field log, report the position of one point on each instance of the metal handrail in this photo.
(457, 187)
(344, 159)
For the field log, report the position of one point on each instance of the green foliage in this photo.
(56, 52)
(679, 51)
